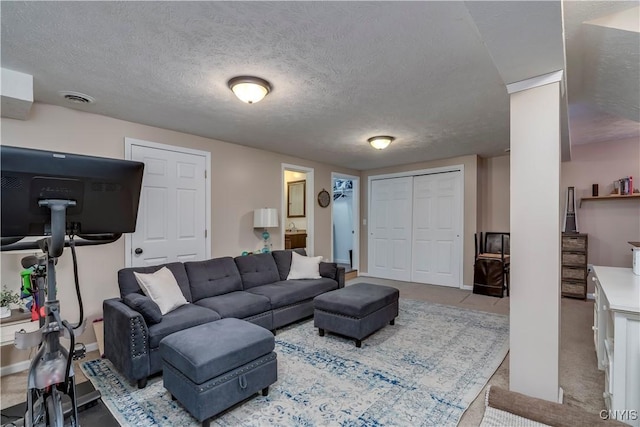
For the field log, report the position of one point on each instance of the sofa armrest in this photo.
(340, 277)
(331, 270)
(126, 339)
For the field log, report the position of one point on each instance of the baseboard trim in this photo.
(24, 365)
(560, 395)
(591, 296)
(466, 287)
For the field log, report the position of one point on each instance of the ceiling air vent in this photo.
(77, 97)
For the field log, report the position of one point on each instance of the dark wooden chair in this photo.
(492, 262)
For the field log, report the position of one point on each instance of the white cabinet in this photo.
(616, 334)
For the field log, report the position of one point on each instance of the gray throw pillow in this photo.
(145, 306)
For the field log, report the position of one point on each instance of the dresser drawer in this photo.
(574, 273)
(574, 243)
(574, 258)
(573, 289)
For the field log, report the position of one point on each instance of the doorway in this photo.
(345, 220)
(175, 207)
(297, 220)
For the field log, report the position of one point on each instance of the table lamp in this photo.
(265, 218)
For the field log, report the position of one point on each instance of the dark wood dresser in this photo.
(574, 265)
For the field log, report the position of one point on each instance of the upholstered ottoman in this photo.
(356, 311)
(211, 367)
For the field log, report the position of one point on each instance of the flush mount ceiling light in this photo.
(380, 142)
(249, 89)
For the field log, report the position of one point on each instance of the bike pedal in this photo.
(79, 351)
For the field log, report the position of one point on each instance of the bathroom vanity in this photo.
(295, 239)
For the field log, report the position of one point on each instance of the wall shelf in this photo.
(611, 197)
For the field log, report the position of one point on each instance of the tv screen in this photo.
(106, 192)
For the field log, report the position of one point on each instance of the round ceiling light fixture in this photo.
(380, 142)
(249, 89)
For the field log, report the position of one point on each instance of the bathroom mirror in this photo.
(296, 195)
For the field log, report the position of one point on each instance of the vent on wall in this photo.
(77, 97)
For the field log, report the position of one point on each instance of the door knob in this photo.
(138, 251)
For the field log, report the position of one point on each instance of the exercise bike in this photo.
(58, 195)
(51, 374)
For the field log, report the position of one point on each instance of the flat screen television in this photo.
(106, 192)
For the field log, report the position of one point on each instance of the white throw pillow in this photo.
(162, 288)
(304, 267)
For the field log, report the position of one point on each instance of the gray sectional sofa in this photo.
(253, 288)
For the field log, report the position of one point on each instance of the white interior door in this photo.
(436, 246)
(172, 214)
(390, 228)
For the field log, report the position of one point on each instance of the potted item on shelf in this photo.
(7, 297)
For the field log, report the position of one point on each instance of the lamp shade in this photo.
(265, 217)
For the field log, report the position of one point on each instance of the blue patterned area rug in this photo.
(425, 370)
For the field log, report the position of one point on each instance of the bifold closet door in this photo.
(436, 241)
(390, 228)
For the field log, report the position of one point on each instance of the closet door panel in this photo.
(390, 228)
(436, 254)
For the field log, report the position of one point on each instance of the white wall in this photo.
(494, 194)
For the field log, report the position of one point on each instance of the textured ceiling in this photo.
(432, 74)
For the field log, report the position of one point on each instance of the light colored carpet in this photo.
(580, 378)
(424, 370)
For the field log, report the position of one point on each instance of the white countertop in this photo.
(621, 287)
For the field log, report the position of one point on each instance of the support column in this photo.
(535, 237)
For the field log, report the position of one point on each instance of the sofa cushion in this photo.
(283, 260)
(145, 306)
(257, 270)
(304, 267)
(238, 304)
(162, 288)
(290, 292)
(181, 318)
(213, 277)
(128, 284)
